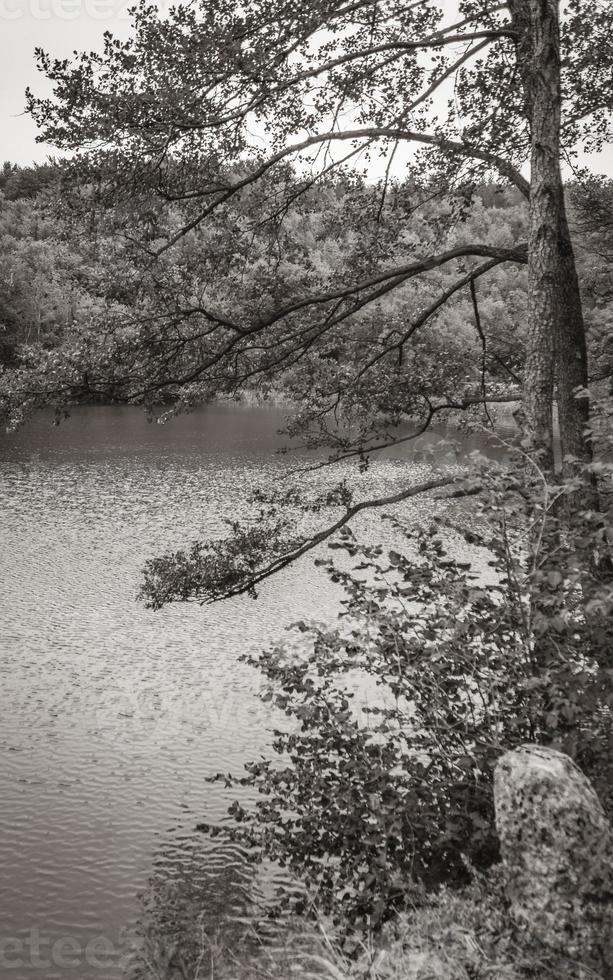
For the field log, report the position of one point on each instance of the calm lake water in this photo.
(112, 716)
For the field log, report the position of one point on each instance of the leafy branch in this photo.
(216, 570)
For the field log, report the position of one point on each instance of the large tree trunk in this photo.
(537, 27)
(542, 83)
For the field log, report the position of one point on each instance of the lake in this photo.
(112, 716)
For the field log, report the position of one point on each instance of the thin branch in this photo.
(470, 20)
(434, 41)
(450, 70)
(473, 296)
(434, 307)
(283, 561)
(446, 406)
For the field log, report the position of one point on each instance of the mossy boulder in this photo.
(557, 851)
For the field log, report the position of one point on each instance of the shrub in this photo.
(369, 803)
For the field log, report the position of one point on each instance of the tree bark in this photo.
(543, 97)
(537, 28)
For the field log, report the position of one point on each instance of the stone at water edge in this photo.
(557, 851)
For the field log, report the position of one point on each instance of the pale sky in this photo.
(60, 27)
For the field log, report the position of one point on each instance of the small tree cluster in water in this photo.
(367, 803)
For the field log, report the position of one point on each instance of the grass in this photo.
(458, 935)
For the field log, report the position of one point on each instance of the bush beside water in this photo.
(389, 824)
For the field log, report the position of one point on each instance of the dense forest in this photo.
(76, 288)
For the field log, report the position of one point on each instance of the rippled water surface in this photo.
(111, 716)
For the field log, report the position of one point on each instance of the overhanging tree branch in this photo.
(379, 284)
(202, 574)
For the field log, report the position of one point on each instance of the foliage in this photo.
(17, 183)
(592, 205)
(214, 567)
(465, 935)
(460, 660)
(56, 292)
(166, 332)
(265, 260)
(75, 285)
(453, 934)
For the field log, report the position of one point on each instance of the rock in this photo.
(557, 852)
